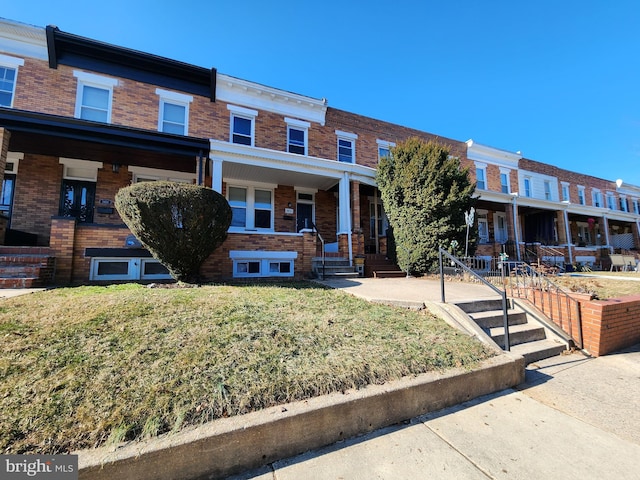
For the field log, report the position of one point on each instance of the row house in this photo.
(80, 119)
(538, 212)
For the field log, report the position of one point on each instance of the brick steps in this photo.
(379, 266)
(26, 267)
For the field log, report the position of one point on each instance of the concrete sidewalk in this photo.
(573, 417)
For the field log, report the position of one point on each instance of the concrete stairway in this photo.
(527, 336)
(335, 267)
(26, 267)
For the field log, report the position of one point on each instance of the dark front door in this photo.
(304, 216)
(77, 200)
(6, 197)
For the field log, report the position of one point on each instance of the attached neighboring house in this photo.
(79, 119)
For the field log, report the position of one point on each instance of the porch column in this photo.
(636, 234)
(358, 241)
(606, 232)
(5, 136)
(216, 174)
(568, 234)
(344, 200)
(515, 224)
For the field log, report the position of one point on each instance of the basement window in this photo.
(256, 264)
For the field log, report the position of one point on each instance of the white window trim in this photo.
(507, 172)
(547, 190)
(174, 98)
(246, 113)
(611, 201)
(483, 167)
(14, 63)
(636, 205)
(563, 186)
(596, 193)
(250, 199)
(384, 144)
(13, 158)
(624, 204)
(93, 80)
(348, 137)
(582, 195)
(88, 165)
(134, 271)
(265, 258)
(528, 180)
(298, 125)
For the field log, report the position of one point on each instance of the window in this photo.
(127, 269)
(8, 76)
(242, 125)
(547, 190)
(8, 185)
(252, 208)
(346, 146)
(596, 198)
(611, 201)
(173, 116)
(481, 176)
(581, 196)
(146, 174)
(527, 187)
(262, 263)
(624, 206)
(94, 97)
(483, 227)
(384, 148)
(500, 227)
(565, 192)
(504, 181)
(636, 206)
(297, 131)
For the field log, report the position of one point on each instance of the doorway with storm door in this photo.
(304, 211)
(77, 200)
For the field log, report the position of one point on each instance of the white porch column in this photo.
(568, 233)
(344, 200)
(216, 174)
(606, 232)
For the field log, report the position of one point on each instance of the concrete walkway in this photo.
(574, 417)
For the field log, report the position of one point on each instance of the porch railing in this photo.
(322, 245)
(457, 264)
(521, 280)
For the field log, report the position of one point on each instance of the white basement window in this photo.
(256, 264)
(110, 268)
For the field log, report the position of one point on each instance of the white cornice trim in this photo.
(491, 155)
(253, 95)
(23, 40)
(290, 161)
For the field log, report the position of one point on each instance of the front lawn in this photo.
(81, 367)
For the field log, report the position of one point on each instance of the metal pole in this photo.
(507, 345)
(441, 275)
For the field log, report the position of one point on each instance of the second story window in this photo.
(504, 181)
(297, 131)
(636, 206)
(624, 206)
(173, 116)
(384, 148)
(481, 176)
(596, 198)
(94, 96)
(242, 125)
(547, 190)
(611, 201)
(581, 197)
(346, 146)
(8, 76)
(565, 192)
(527, 187)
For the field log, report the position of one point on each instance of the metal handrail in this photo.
(502, 293)
(524, 280)
(324, 263)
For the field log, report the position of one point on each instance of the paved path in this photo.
(574, 417)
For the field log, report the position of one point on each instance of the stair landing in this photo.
(26, 267)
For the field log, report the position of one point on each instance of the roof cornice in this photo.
(254, 95)
(494, 156)
(21, 39)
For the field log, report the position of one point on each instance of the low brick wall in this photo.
(610, 325)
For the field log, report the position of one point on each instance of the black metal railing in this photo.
(322, 247)
(456, 263)
(523, 281)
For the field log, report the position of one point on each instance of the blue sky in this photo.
(557, 80)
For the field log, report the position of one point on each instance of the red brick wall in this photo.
(610, 325)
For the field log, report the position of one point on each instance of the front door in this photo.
(6, 197)
(304, 216)
(77, 200)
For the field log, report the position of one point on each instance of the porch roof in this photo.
(45, 134)
(252, 164)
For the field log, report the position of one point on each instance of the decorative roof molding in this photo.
(22, 39)
(253, 95)
(491, 155)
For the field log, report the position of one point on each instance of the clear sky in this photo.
(558, 80)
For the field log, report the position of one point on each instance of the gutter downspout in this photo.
(515, 224)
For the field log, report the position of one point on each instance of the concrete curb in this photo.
(232, 445)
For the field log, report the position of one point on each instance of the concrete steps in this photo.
(334, 267)
(527, 336)
(26, 267)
